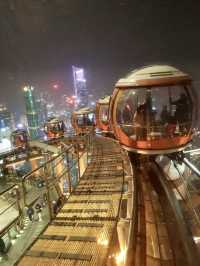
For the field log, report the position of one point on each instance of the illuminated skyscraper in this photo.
(41, 105)
(6, 122)
(31, 112)
(80, 88)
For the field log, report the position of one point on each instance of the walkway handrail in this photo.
(44, 164)
(130, 252)
(48, 168)
(9, 152)
(3, 232)
(118, 212)
(7, 189)
(11, 205)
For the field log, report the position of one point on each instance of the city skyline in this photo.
(99, 132)
(41, 40)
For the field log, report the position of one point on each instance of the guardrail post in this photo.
(86, 154)
(48, 192)
(18, 199)
(132, 238)
(87, 146)
(19, 207)
(78, 162)
(24, 192)
(68, 173)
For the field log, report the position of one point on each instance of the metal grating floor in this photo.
(81, 232)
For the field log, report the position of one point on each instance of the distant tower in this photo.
(41, 105)
(31, 112)
(6, 122)
(80, 88)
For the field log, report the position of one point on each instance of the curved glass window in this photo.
(85, 120)
(103, 114)
(151, 113)
(18, 139)
(55, 127)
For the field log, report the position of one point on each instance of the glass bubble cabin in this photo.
(154, 110)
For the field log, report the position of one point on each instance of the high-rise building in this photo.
(41, 105)
(80, 87)
(6, 122)
(31, 112)
(51, 109)
(91, 101)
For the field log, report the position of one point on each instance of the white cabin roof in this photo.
(150, 73)
(84, 110)
(54, 120)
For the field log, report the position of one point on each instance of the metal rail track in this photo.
(159, 235)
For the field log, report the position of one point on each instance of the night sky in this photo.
(41, 39)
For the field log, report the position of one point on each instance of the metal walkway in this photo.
(83, 230)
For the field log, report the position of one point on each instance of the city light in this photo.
(20, 126)
(55, 86)
(26, 88)
(71, 100)
(2, 108)
(3, 129)
(80, 75)
(5, 145)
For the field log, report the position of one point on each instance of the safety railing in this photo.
(178, 180)
(9, 152)
(112, 244)
(131, 241)
(10, 209)
(48, 183)
(187, 188)
(183, 191)
(58, 176)
(168, 130)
